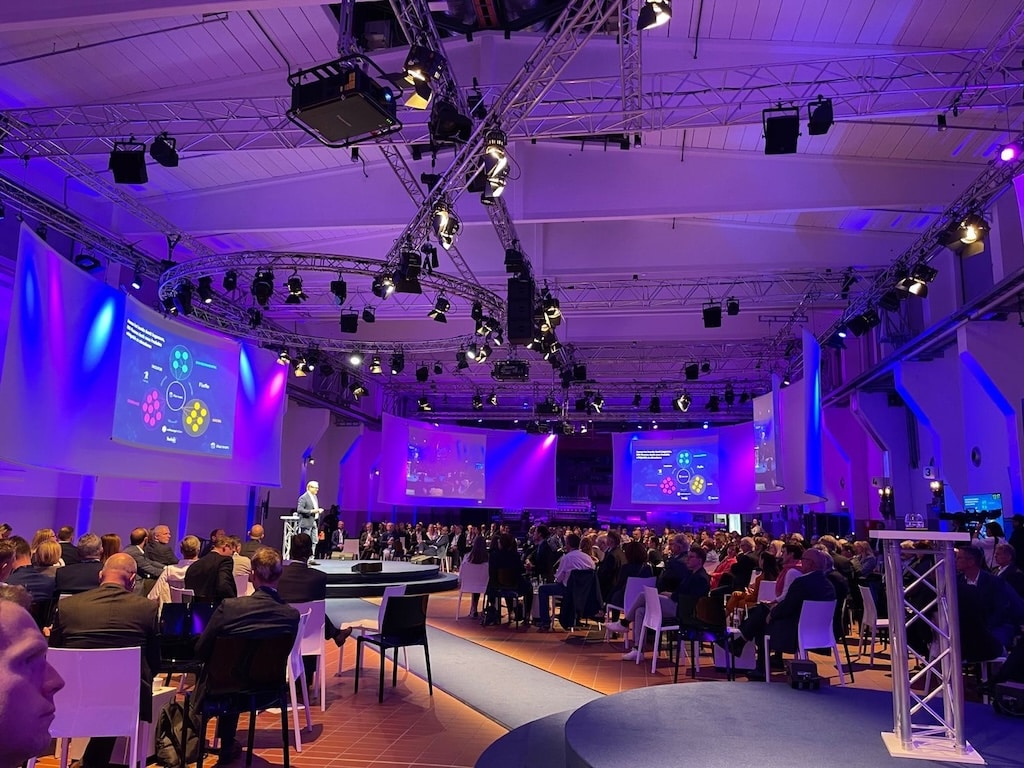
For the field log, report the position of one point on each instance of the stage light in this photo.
(682, 402)
(461, 361)
(940, 123)
(230, 281)
(348, 322)
(422, 374)
(422, 66)
(691, 371)
(655, 404)
(255, 317)
(137, 276)
(164, 150)
(397, 363)
(786, 379)
(966, 237)
(183, 297)
(438, 369)
(423, 405)
(87, 262)
(128, 162)
(369, 315)
(498, 337)
(781, 127)
(730, 395)
(299, 367)
(283, 358)
(445, 224)
(842, 332)
(169, 306)
(653, 14)
(382, 286)
(551, 308)
(483, 353)
(705, 367)
(376, 368)
(295, 292)
(478, 402)
(440, 311)
(916, 283)
(262, 287)
(864, 322)
(407, 276)
(205, 290)
(339, 289)
(706, 425)
(355, 359)
(492, 399)
(597, 401)
(732, 306)
(819, 116)
(495, 166)
(637, 400)
(1009, 153)
(712, 313)
(713, 403)
(472, 350)
(448, 125)
(358, 390)
(477, 311)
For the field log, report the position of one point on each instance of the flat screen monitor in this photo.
(679, 471)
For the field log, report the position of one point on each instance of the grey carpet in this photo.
(510, 692)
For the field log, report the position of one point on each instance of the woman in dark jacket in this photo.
(507, 573)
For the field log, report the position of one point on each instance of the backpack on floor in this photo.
(168, 737)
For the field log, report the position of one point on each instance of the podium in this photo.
(291, 528)
(928, 725)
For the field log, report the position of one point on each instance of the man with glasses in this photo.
(309, 509)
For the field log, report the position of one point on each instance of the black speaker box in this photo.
(368, 566)
(345, 106)
(781, 133)
(521, 292)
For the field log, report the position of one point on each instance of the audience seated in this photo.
(299, 583)
(111, 546)
(991, 612)
(68, 550)
(745, 598)
(572, 560)
(211, 577)
(85, 574)
(158, 546)
(1006, 567)
(47, 558)
(506, 572)
(23, 573)
(174, 575)
(636, 565)
(256, 534)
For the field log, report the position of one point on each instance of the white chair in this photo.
(766, 591)
(653, 619)
(313, 644)
(869, 623)
(297, 674)
(100, 697)
(243, 587)
(813, 630)
(634, 588)
(472, 580)
(179, 594)
(370, 626)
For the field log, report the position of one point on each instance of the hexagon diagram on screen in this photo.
(196, 418)
(152, 409)
(181, 362)
(684, 459)
(698, 485)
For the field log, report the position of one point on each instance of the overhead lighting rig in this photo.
(440, 311)
(295, 293)
(654, 13)
(445, 224)
(423, 67)
(164, 150)
(966, 236)
(128, 162)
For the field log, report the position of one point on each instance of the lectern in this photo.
(291, 528)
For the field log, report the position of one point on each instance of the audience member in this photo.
(211, 577)
(46, 559)
(614, 558)
(1006, 568)
(477, 555)
(256, 534)
(261, 613)
(541, 562)
(5, 530)
(15, 593)
(85, 574)
(174, 575)
(158, 546)
(675, 568)
(240, 564)
(29, 685)
(68, 551)
(506, 572)
(111, 545)
(991, 612)
(206, 545)
(337, 539)
(43, 534)
(6, 559)
(573, 560)
(111, 616)
(22, 572)
(636, 566)
(147, 569)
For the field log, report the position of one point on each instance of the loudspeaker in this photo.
(368, 566)
(521, 292)
(781, 130)
(129, 166)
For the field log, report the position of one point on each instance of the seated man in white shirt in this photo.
(572, 560)
(175, 574)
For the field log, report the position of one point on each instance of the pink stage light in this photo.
(1009, 152)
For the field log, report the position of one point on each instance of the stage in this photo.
(342, 581)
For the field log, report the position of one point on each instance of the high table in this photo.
(291, 528)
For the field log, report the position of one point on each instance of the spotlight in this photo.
(382, 286)
(492, 399)
(850, 279)
(781, 130)
(440, 311)
(478, 402)
(262, 287)
(128, 162)
(422, 65)
(637, 400)
(461, 361)
(339, 289)
(422, 374)
(864, 322)
(358, 390)
(355, 359)
(732, 306)
(691, 371)
(348, 322)
(1009, 153)
(653, 14)
(655, 404)
(299, 367)
(495, 164)
(705, 367)
(819, 117)
(41, 230)
(842, 332)
(183, 297)
(730, 395)
(397, 363)
(438, 369)
(477, 311)
(682, 403)
(445, 225)
(940, 123)
(423, 405)
(483, 353)
(916, 283)
(713, 404)
(712, 314)
(375, 365)
(447, 125)
(786, 380)
(597, 401)
(407, 276)
(137, 276)
(551, 308)
(472, 351)
(967, 236)
(255, 317)
(283, 358)
(87, 262)
(169, 306)
(205, 290)
(369, 315)
(230, 281)
(295, 292)
(164, 150)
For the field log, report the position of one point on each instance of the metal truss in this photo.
(861, 87)
(631, 63)
(999, 59)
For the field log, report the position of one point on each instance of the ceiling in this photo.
(632, 241)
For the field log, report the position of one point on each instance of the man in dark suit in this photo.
(261, 613)
(111, 616)
(301, 584)
(1006, 567)
(256, 534)
(211, 577)
(24, 574)
(308, 509)
(68, 551)
(85, 574)
(745, 565)
(991, 613)
(147, 569)
(781, 620)
(158, 546)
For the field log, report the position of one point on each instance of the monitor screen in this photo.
(989, 504)
(446, 465)
(679, 471)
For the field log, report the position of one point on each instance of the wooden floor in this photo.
(412, 729)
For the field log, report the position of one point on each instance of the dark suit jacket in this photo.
(261, 612)
(80, 577)
(301, 584)
(69, 553)
(39, 585)
(305, 505)
(672, 573)
(210, 577)
(743, 569)
(160, 553)
(696, 584)
(110, 617)
(1015, 577)
(786, 614)
(249, 548)
(147, 569)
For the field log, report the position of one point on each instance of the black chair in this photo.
(244, 673)
(181, 624)
(692, 615)
(42, 612)
(404, 624)
(582, 602)
(507, 593)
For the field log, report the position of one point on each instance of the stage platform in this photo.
(342, 581)
(725, 725)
